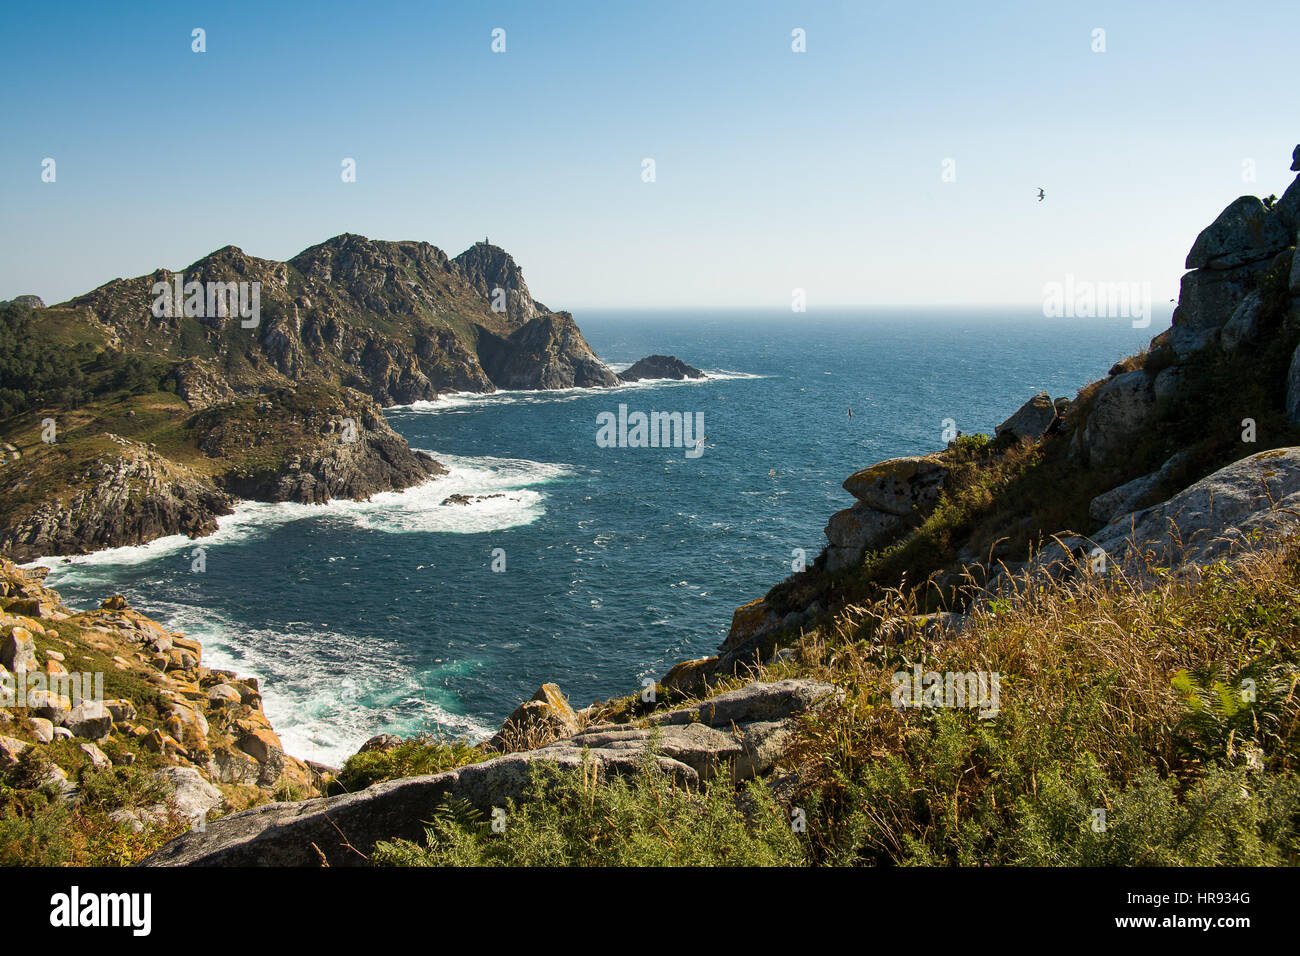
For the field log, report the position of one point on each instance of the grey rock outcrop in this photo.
(1244, 232)
(18, 650)
(192, 796)
(129, 498)
(1243, 327)
(495, 275)
(31, 301)
(855, 531)
(1288, 207)
(1032, 420)
(741, 733)
(200, 384)
(542, 718)
(90, 719)
(1227, 260)
(1207, 299)
(893, 497)
(1214, 518)
(11, 748)
(1293, 388)
(1137, 493)
(1168, 385)
(1122, 411)
(899, 486)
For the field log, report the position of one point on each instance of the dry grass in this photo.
(1108, 682)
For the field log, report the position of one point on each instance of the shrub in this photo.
(410, 758)
(576, 818)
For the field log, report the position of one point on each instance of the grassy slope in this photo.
(1111, 699)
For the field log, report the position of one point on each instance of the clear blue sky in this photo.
(775, 170)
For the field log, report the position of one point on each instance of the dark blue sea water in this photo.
(387, 615)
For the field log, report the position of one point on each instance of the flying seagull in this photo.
(1041, 194)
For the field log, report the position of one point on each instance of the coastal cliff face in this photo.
(93, 488)
(127, 494)
(488, 268)
(544, 353)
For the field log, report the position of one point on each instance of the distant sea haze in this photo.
(587, 564)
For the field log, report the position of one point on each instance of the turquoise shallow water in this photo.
(365, 617)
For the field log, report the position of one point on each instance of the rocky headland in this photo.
(148, 406)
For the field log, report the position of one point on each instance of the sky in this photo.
(774, 170)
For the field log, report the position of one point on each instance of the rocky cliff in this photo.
(546, 352)
(93, 488)
(493, 274)
(399, 321)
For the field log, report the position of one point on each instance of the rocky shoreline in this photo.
(201, 732)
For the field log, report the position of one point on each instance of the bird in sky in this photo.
(1041, 194)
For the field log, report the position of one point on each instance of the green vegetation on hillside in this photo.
(39, 829)
(576, 819)
(410, 758)
(1003, 499)
(41, 368)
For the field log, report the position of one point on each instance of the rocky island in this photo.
(148, 406)
(659, 367)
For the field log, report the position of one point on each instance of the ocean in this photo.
(581, 562)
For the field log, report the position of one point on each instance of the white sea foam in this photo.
(325, 692)
(416, 509)
(459, 401)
